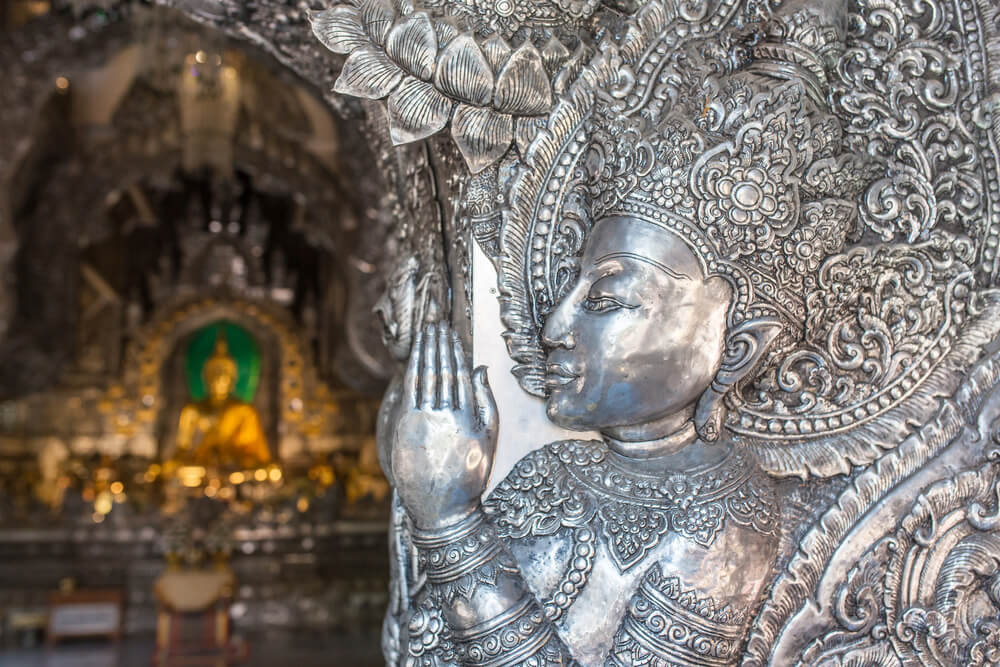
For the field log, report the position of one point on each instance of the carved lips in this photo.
(558, 376)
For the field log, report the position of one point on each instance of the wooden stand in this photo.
(192, 622)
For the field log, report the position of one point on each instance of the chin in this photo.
(565, 411)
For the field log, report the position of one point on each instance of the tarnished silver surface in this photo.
(753, 246)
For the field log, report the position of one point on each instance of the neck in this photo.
(655, 448)
(659, 437)
(680, 451)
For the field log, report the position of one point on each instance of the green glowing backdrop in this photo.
(242, 347)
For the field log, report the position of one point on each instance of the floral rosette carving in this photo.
(819, 237)
(747, 195)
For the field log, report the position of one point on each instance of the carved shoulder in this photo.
(539, 495)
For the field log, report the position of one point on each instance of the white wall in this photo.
(523, 424)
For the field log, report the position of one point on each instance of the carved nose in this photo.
(556, 333)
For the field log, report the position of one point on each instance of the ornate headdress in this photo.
(750, 176)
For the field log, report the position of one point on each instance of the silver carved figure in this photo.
(754, 246)
(657, 541)
(635, 526)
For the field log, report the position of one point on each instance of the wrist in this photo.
(451, 554)
(444, 527)
(443, 520)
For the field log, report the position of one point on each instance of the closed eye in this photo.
(605, 304)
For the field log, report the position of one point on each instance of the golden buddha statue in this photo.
(221, 429)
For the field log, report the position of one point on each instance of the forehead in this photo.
(625, 235)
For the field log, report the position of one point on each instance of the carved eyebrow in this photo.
(639, 258)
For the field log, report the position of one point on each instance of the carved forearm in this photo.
(493, 617)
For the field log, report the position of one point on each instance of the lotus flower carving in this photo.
(368, 73)
(435, 76)
(417, 111)
(522, 87)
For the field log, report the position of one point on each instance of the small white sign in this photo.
(85, 618)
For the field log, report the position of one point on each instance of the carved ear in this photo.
(745, 345)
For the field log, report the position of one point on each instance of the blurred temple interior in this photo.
(190, 370)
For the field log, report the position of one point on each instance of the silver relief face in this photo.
(640, 334)
(395, 309)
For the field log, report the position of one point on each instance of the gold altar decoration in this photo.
(366, 478)
(126, 453)
(221, 429)
(308, 413)
(105, 483)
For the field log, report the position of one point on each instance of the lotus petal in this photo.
(446, 31)
(497, 51)
(339, 29)
(416, 111)
(523, 86)
(368, 73)
(379, 16)
(554, 54)
(412, 43)
(481, 134)
(463, 73)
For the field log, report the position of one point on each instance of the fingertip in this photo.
(430, 335)
(442, 335)
(480, 375)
